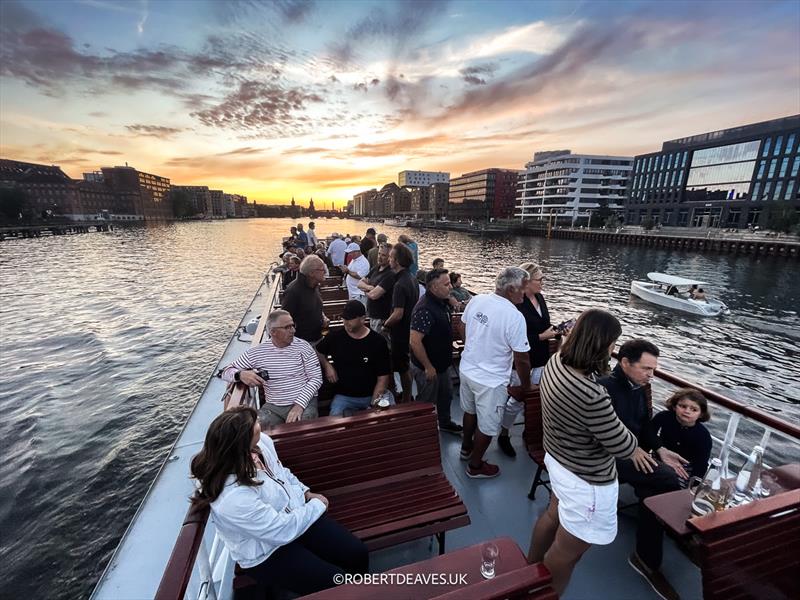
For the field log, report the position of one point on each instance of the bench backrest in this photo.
(342, 454)
(751, 551)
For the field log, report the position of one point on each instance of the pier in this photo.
(711, 240)
(62, 228)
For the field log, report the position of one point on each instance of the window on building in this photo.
(789, 144)
(767, 191)
(778, 143)
(668, 216)
(734, 215)
(778, 189)
(752, 216)
(784, 166)
(789, 190)
(761, 166)
(683, 218)
(772, 164)
(756, 189)
(765, 150)
(795, 166)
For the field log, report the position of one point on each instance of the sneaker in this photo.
(485, 471)
(654, 577)
(465, 454)
(504, 442)
(451, 427)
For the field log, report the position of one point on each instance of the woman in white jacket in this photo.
(273, 526)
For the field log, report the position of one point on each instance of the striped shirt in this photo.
(581, 430)
(294, 372)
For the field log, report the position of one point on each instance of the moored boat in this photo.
(396, 222)
(675, 292)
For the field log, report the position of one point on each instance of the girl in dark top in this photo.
(681, 428)
(540, 331)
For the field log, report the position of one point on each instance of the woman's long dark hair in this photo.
(586, 348)
(226, 451)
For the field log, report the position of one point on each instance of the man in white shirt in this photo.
(337, 250)
(495, 338)
(357, 268)
(312, 235)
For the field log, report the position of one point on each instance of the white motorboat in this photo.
(677, 293)
(396, 222)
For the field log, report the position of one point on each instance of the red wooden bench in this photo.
(533, 434)
(751, 551)
(381, 471)
(459, 575)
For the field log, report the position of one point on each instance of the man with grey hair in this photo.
(495, 338)
(303, 301)
(286, 367)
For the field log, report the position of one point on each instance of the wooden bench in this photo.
(514, 579)
(751, 551)
(533, 434)
(381, 470)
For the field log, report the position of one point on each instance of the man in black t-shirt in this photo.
(378, 285)
(404, 297)
(360, 371)
(432, 347)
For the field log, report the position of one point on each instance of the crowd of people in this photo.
(597, 422)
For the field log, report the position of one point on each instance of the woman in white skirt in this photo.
(582, 436)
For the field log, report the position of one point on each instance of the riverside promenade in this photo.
(682, 238)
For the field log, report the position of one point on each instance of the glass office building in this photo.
(727, 178)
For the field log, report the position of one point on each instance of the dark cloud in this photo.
(396, 28)
(259, 107)
(360, 87)
(157, 131)
(472, 75)
(294, 11)
(375, 81)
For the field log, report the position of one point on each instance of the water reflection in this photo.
(108, 340)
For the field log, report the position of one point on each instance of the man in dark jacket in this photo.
(627, 385)
(302, 300)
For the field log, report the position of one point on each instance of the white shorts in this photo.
(487, 402)
(513, 407)
(589, 512)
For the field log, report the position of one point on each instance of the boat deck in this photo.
(500, 507)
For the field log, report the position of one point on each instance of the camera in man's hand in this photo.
(264, 374)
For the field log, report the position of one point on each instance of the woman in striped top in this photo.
(582, 436)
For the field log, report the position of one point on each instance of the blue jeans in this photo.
(343, 403)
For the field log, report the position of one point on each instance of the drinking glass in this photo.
(721, 497)
(489, 554)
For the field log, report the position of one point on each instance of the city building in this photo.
(199, 196)
(728, 178)
(483, 195)
(421, 178)
(363, 203)
(217, 204)
(48, 191)
(392, 200)
(430, 202)
(568, 188)
(142, 193)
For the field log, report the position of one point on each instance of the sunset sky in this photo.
(326, 99)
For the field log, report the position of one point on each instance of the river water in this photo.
(109, 338)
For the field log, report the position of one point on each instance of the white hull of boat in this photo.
(395, 222)
(652, 292)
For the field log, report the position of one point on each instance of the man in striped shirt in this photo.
(288, 369)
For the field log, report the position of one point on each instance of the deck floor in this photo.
(500, 507)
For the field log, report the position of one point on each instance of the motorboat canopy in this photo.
(673, 279)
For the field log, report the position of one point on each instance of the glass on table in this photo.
(489, 553)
